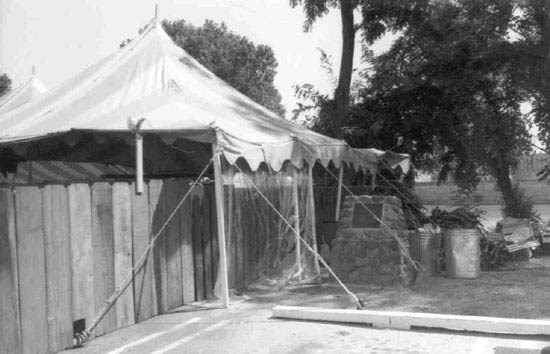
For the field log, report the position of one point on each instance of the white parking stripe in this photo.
(189, 338)
(480, 346)
(152, 336)
(529, 344)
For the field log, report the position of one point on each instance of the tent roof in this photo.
(22, 94)
(153, 78)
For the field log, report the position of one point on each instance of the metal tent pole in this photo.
(311, 201)
(139, 163)
(373, 181)
(296, 220)
(339, 195)
(222, 269)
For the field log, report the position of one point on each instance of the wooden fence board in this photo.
(231, 237)
(239, 240)
(10, 334)
(58, 267)
(122, 228)
(32, 274)
(187, 265)
(197, 249)
(173, 245)
(80, 231)
(207, 244)
(247, 246)
(156, 213)
(145, 304)
(216, 276)
(103, 250)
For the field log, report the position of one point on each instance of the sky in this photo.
(62, 37)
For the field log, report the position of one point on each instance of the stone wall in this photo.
(370, 256)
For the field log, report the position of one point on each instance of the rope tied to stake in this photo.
(80, 338)
(360, 302)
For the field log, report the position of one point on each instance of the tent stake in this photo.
(222, 269)
(339, 195)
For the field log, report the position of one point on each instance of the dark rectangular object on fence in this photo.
(32, 273)
(9, 295)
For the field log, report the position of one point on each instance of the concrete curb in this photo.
(406, 320)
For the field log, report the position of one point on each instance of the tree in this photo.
(530, 26)
(247, 67)
(448, 85)
(377, 17)
(5, 84)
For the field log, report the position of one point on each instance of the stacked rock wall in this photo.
(371, 255)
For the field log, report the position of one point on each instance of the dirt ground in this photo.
(520, 290)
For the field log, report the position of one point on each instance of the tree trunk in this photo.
(545, 44)
(341, 95)
(504, 183)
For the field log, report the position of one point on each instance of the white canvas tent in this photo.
(49, 171)
(28, 91)
(153, 80)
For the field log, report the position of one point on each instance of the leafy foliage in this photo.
(413, 210)
(248, 67)
(378, 17)
(520, 206)
(459, 218)
(5, 84)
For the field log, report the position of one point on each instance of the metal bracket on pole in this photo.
(139, 153)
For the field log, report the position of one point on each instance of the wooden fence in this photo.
(64, 250)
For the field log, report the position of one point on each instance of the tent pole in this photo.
(139, 163)
(339, 195)
(311, 201)
(297, 220)
(373, 181)
(222, 270)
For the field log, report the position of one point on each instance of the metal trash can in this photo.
(462, 253)
(424, 248)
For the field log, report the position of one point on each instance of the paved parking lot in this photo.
(247, 327)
